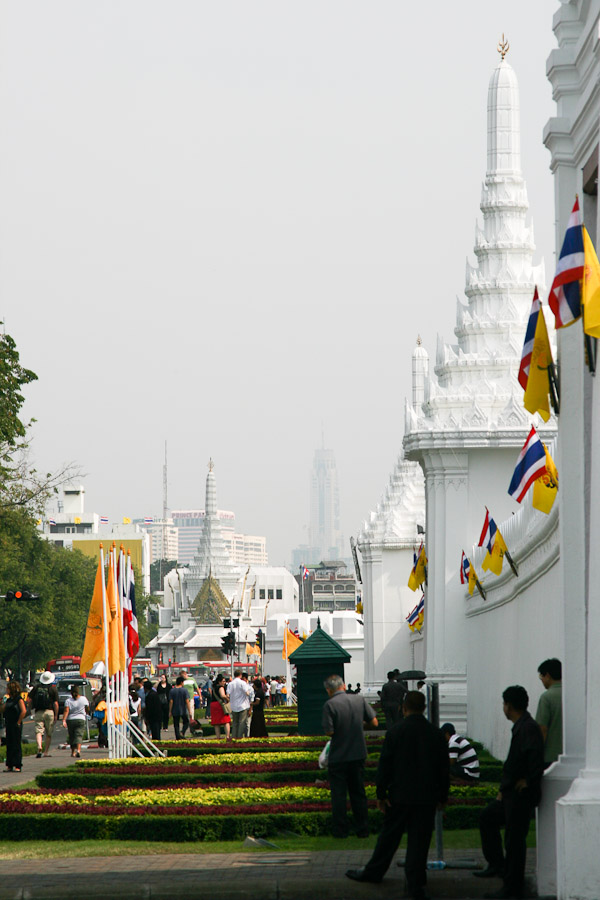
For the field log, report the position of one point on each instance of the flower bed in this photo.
(208, 791)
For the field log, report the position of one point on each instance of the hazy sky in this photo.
(223, 224)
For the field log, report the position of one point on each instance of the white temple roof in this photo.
(475, 384)
(400, 509)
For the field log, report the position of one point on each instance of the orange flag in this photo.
(93, 648)
(116, 644)
(293, 642)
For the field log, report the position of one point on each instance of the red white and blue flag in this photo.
(130, 622)
(51, 522)
(104, 520)
(565, 293)
(148, 520)
(413, 617)
(529, 338)
(488, 532)
(305, 573)
(465, 569)
(531, 465)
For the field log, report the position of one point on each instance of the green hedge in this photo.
(65, 780)
(65, 827)
(272, 728)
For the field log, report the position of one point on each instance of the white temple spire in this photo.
(504, 137)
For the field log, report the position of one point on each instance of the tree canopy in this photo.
(33, 632)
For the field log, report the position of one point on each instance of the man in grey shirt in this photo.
(344, 718)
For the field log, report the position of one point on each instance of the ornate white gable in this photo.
(474, 385)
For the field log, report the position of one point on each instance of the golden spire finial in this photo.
(503, 47)
(419, 341)
(211, 465)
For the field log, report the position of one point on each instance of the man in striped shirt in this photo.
(463, 758)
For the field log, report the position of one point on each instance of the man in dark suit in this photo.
(344, 719)
(520, 792)
(413, 780)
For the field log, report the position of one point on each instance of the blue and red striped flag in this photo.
(529, 339)
(531, 465)
(565, 293)
(465, 569)
(148, 520)
(104, 520)
(488, 532)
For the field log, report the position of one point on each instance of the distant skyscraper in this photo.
(325, 536)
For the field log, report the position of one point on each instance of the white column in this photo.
(446, 491)
(573, 568)
(372, 604)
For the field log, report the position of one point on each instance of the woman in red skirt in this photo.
(217, 716)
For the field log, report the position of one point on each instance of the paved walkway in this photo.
(239, 876)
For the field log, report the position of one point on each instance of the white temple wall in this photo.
(490, 472)
(387, 600)
(505, 645)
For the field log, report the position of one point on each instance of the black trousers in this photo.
(417, 821)
(348, 779)
(185, 724)
(154, 726)
(514, 812)
(165, 715)
(392, 714)
(14, 750)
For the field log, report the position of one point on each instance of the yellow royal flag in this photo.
(590, 288)
(126, 520)
(472, 579)
(93, 648)
(293, 642)
(250, 650)
(538, 384)
(418, 574)
(493, 561)
(116, 644)
(77, 520)
(545, 488)
(256, 651)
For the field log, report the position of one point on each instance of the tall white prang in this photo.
(466, 431)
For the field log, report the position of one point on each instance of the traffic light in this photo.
(21, 595)
(236, 623)
(227, 623)
(231, 642)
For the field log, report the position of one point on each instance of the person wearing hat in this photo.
(43, 699)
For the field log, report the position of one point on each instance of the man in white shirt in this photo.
(238, 692)
(273, 688)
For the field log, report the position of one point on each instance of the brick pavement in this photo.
(233, 876)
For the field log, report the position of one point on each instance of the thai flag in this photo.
(465, 569)
(528, 345)
(130, 616)
(305, 573)
(51, 522)
(565, 293)
(488, 532)
(104, 520)
(531, 465)
(413, 616)
(148, 520)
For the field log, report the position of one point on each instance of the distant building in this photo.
(246, 549)
(328, 588)
(164, 534)
(324, 526)
(73, 528)
(190, 525)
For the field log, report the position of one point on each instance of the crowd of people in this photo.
(419, 761)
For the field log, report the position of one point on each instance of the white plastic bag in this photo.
(324, 756)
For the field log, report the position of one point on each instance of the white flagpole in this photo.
(288, 671)
(106, 676)
(121, 674)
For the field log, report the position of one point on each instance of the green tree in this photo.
(158, 569)
(33, 632)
